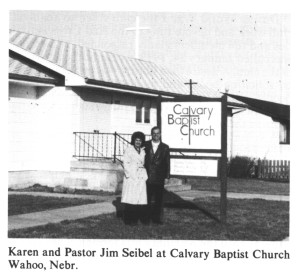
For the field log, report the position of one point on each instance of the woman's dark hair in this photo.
(138, 135)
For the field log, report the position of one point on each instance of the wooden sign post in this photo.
(196, 130)
(224, 159)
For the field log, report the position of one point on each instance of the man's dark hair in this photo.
(138, 135)
(155, 128)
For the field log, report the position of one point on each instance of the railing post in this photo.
(74, 144)
(115, 147)
(79, 145)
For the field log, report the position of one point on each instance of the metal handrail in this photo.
(101, 145)
(120, 137)
(92, 147)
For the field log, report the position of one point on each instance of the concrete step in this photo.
(99, 175)
(106, 165)
(78, 183)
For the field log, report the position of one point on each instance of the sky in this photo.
(246, 53)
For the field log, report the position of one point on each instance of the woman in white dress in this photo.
(134, 194)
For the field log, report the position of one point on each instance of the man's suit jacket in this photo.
(157, 164)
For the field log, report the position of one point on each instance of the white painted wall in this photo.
(41, 122)
(124, 115)
(229, 136)
(256, 135)
(110, 112)
(22, 127)
(58, 117)
(95, 110)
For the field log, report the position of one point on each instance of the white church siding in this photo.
(94, 110)
(109, 112)
(257, 136)
(124, 113)
(22, 127)
(41, 122)
(229, 136)
(58, 119)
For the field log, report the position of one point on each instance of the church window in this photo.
(147, 111)
(139, 111)
(143, 111)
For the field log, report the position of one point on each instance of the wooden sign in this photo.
(192, 125)
(194, 166)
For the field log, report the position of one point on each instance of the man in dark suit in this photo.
(157, 164)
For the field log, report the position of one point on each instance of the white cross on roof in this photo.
(137, 28)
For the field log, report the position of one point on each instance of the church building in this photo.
(68, 102)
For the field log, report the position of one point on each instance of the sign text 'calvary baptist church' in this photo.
(192, 125)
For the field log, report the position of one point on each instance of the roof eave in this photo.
(276, 111)
(236, 105)
(129, 88)
(18, 77)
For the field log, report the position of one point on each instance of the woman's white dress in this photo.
(134, 186)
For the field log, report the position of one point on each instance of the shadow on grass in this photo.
(171, 200)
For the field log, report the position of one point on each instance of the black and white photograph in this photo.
(151, 128)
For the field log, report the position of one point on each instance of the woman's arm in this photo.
(127, 162)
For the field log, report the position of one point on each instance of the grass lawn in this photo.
(255, 220)
(22, 204)
(41, 188)
(243, 186)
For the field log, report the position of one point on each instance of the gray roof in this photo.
(105, 66)
(19, 68)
